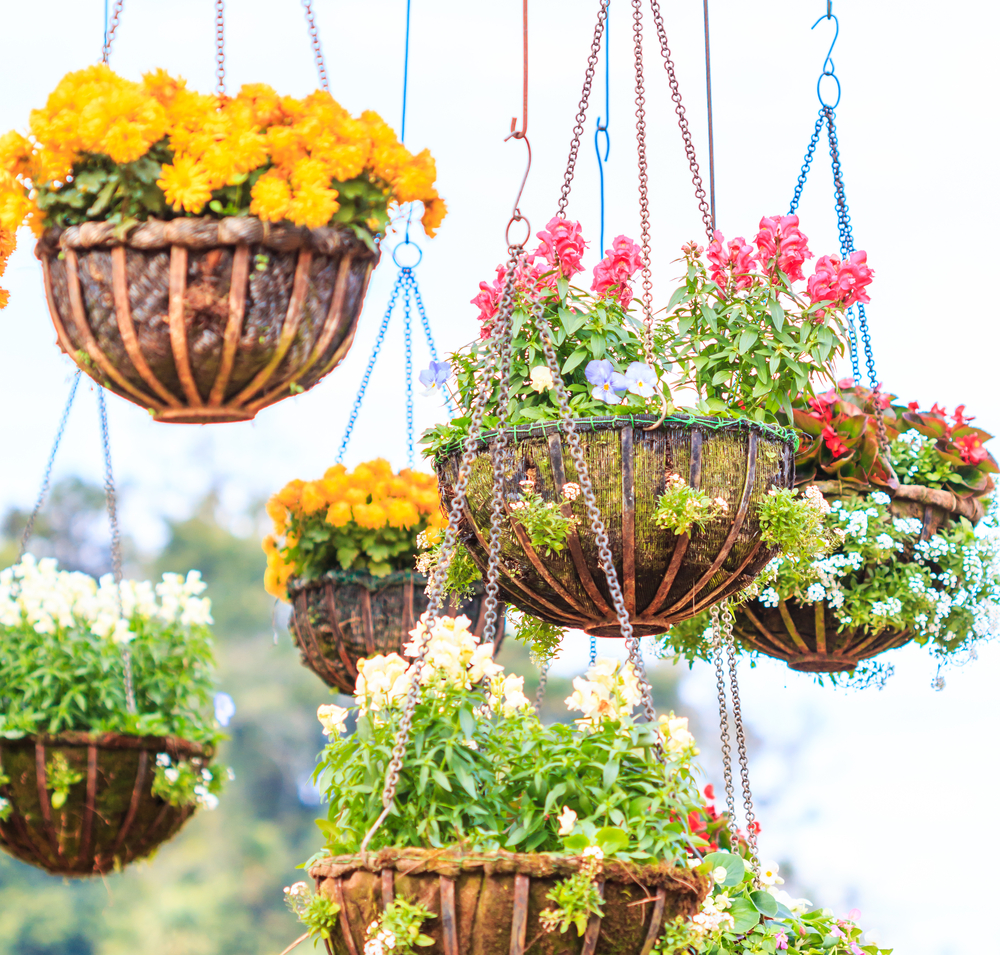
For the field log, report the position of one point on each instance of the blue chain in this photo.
(371, 364)
(408, 338)
(810, 155)
(603, 127)
(427, 334)
(593, 650)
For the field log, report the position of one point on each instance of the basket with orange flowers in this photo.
(204, 256)
(344, 554)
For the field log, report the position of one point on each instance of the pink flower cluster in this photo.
(560, 255)
(782, 247)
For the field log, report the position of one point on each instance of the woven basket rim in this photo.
(360, 577)
(596, 423)
(971, 507)
(452, 860)
(203, 232)
(116, 741)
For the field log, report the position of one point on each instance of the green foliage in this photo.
(540, 636)
(60, 778)
(398, 927)
(316, 912)
(795, 524)
(748, 350)
(681, 507)
(576, 899)
(544, 522)
(321, 547)
(184, 784)
(463, 574)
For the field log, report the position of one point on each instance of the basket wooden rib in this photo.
(178, 317)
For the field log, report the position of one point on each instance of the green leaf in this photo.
(611, 840)
(777, 313)
(765, 903)
(578, 356)
(748, 338)
(611, 769)
(744, 915)
(731, 862)
(680, 295)
(576, 842)
(467, 722)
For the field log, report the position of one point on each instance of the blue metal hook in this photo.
(828, 67)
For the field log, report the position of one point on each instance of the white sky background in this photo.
(865, 792)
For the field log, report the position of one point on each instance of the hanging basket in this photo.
(345, 616)
(109, 819)
(488, 903)
(664, 577)
(808, 636)
(200, 320)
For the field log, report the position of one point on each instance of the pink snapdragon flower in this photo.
(780, 940)
(619, 264)
(488, 302)
(734, 261)
(562, 246)
(842, 284)
(782, 246)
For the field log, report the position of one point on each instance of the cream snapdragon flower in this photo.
(610, 691)
(677, 738)
(381, 681)
(333, 719)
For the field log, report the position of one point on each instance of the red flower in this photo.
(754, 827)
(959, 417)
(488, 301)
(782, 245)
(913, 405)
(833, 441)
(845, 383)
(733, 261)
(938, 410)
(971, 448)
(840, 283)
(709, 792)
(619, 264)
(562, 246)
(822, 405)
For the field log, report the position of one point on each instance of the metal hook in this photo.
(516, 215)
(828, 67)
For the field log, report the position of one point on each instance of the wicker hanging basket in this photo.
(808, 636)
(345, 616)
(109, 819)
(200, 320)
(664, 577)
(488, 903)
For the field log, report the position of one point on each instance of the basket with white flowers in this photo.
(104, 754)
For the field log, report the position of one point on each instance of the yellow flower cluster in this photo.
(6, 247)
(370, 497)
(307, 143)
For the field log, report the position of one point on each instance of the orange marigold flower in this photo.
(401, 513)
(270, 197)
(434, 212)
(313, 206)
(371, 516)
(313, 499)
(185, 185)
(339, 513)
(289, 495)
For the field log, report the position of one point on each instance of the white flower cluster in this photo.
(380, 940)
(609, 691)
(40, 595)
(453, 655)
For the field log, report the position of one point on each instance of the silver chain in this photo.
(499, 347)
(109, 30)
(116, 543)
(220, 49)
(47, 479)
(543, 682)
(723, 643)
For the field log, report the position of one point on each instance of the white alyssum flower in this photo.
(567, 821)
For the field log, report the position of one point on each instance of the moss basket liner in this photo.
(200, 319)
(488, 903)
(664, 577)
(345, 616)
(109, 819)
(808, 636)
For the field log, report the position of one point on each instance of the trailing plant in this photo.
(544, 522)
(316, 912)
(931, 448)
(182, 784)
(397, 930)
(577, 897)
(540, 636)
(736, 339)
(368, 519)
(107, 149)
(681, 507)
(59, 779)
(462, 574)
(794, 523)
(61, 667)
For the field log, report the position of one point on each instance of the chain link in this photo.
(408, 347)
(324, 81)
(110, 29)
(741, 743)
(543, 682)
(116, 543)
(220, 50)
(682, 122)
(727, 758)
(581, 115)
(640, 135)
(29, 527)
(435, 589)
(593, 650)
(635, 658)
(415, 288)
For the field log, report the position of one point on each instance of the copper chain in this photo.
(640, 135)
(324, 82)
(112, 26)
(675, 95)
(581, 115)
(727, 758)
(220, 49)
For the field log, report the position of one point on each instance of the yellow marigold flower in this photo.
(15, 207)
(269, 545)
(125, 141)
(270, 197)
(4, 297)
(264, 101)
(427, 501)
(371, 516)
(248, 150)
(401, 513)
(434, 212)
(162, 86)
(312, 499)
(274, 585)
(16, 154)
(356, 495)
(185, 185)
(285, 146)
(289, 495)
(339, 514)
(333, 487)
(313, 206)
(309, 172)
(338, 470)
(8, 242)
(277, 512)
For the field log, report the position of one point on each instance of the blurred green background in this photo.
(217, 888)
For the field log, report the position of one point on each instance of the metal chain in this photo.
(741, 743)
(727, 758)
(356, 407)
(635, 658)
(543, 682)
(435, 589)
(408, 347)
(412, 279)
(682, 122)
(581, 115)
(807, 163)
(116, 543)
(324, 82)
(640, 135)
(220, 49)
(593, 650)
(47, 478)
(110, 27)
